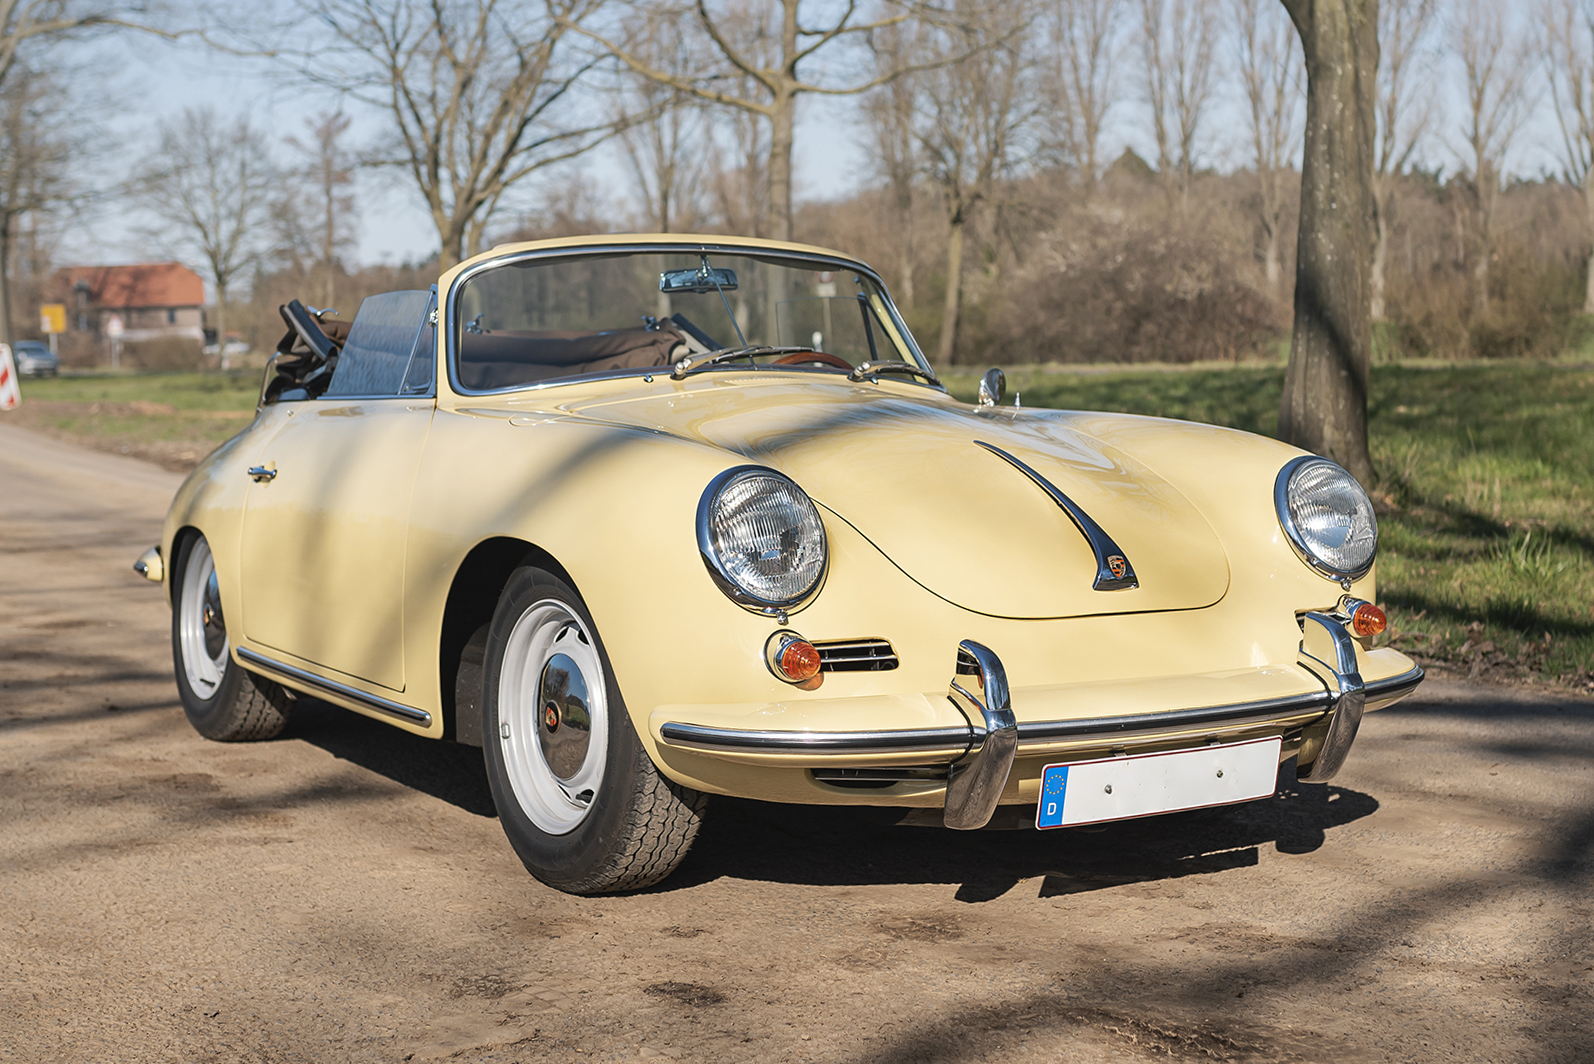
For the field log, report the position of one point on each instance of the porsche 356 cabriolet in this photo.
(652, 519)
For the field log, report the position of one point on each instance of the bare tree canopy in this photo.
(35, 165)
(1324, 406)
(1567, 46)
(973, 113)
(210, 183)
(477, 91)
(1270, 73)
(1081, 79)
(765, 48)
(1404, 114)
(316, 209)
(26, 22)
(1178, 40)
(1495, 64)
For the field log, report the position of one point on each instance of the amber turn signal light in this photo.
(799, 661)
(1368, 620)
(792, 658)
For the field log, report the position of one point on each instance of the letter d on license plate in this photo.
(1118, 788)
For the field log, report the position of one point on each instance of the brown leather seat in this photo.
(505, 358)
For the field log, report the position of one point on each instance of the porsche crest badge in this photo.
(1116, 563)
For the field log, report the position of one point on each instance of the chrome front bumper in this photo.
(978, 757)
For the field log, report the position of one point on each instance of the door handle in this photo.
(261, 474)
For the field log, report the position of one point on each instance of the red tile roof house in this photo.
(159, 305)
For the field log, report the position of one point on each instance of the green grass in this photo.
(185, 391)
(1486, 476)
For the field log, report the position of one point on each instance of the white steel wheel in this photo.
(221, 700)
(201, 625)
(578, 797)
(553, 717)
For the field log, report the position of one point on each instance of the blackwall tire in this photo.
(222, 700)
(578, 797)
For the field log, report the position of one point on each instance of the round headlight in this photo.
(761, 538)
(1327, 516)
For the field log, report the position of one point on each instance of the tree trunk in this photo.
(1324, 406)
(954, 293)
(781, 135)
(1271, 265)
(1588, 202)
(1380, 256)
(5, 278)
(221, 323)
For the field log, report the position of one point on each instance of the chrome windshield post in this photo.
(1325, 642)
(975, 784)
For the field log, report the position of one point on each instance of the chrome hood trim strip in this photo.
(1101, 544)
(311, 680)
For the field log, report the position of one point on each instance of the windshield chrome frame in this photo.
(621, 248)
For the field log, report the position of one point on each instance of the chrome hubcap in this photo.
(201, 627)
(553, 717)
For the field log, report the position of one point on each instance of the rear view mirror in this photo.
(705, 278)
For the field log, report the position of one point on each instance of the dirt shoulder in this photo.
(344, 893)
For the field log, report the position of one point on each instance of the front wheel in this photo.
(577, 795)
(222, 700)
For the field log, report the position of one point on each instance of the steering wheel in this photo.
(818, 358)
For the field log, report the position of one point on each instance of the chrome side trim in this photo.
(698, 737)
(974, 786)
(1101, 544)
(1326, 642)
(1384, 692)
(310, 679)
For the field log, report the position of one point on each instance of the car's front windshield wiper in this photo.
(691, 364)
(870, 369)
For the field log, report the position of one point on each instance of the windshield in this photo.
(539, 320)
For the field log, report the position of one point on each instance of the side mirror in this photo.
(992, 387)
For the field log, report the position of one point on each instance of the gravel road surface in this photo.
(344, 893)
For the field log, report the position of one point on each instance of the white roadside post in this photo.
(113, 331)
(10, 394)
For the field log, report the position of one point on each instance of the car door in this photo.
(327, 516)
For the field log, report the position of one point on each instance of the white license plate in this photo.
(1118, 788)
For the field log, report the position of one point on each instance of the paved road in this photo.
(344, 893)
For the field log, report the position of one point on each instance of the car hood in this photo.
(966, 524)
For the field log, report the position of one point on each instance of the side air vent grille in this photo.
(855, 655)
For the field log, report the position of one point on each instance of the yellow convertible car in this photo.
(651, 519)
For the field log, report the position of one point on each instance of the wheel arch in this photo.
(180, 540)
(472, 597)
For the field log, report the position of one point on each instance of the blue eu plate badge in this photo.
(1049, 813)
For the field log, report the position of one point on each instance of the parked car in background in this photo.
(657, 518)
(34, 359)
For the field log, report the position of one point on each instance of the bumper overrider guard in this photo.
(979, 757)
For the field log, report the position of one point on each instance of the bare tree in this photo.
(1495, 66)
(1082, 83)
(1404, 113)
(1178, 41)
(477, 92)
(1270, 72)
(210, 184)
(975, 111)
(24, 23)
(35, 165)
(1324, 405)
(664, 131)
(766, 51)
(890, 114)
(1567, 44)
(328, 174)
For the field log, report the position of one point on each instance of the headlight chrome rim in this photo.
(1281, 504)
(716, 565)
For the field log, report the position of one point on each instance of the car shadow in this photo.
(854, 846)
(446, 771)
(844, 846)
